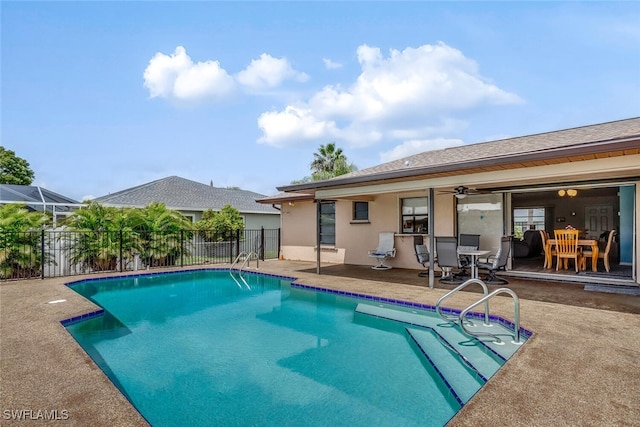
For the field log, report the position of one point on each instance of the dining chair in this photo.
(551, 253)
(567, 248)
(603, 254)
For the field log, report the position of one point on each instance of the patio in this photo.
(579, 368)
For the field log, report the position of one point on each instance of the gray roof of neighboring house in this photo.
(32, 194)
(183, 194)
(543, 146)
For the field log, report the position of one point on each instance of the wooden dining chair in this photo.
(602, 254)
(550, 253)
(567, 248)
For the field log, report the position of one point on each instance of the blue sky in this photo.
(103, 96)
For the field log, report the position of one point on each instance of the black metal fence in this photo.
(57, 253)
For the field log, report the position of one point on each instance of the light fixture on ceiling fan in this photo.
(461, 191)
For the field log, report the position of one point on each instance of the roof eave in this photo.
(554, 153)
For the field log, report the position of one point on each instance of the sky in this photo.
(99, 97)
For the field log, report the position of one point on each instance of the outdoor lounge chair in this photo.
(497, 262)
(384, 251)
(422, 254)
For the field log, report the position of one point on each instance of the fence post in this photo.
(237, 245)
(121, 259)
(262, 243)
(181, 248)
(42, 254)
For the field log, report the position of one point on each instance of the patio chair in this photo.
(447, 259)
(384, 251)
(467, 241)
(497, 262)
(422, 254)
(567, 248)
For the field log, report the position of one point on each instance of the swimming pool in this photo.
(207, 347)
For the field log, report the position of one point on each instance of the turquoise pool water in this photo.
(208, 348)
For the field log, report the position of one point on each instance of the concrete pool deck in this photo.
(581, 367)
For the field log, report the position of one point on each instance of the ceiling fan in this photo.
(461, 191)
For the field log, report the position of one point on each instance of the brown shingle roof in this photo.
(558, 144)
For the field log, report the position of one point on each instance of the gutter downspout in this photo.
(318, 213)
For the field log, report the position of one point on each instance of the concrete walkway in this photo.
(580, 368)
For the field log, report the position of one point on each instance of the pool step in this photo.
(501, 352)
(460, 376)
(484, 359)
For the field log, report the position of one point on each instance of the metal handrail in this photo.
(485, 299)
(247, 258)
(453, 319)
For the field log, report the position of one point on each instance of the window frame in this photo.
(355, 210)
(411, 221)
(327, 229)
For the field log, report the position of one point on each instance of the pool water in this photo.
(209, 347)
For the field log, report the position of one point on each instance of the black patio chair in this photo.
(448, 260)
(468, 241)
(422, 254)
(497, 262)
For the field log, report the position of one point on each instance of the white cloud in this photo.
(416, 146)
(268, 72)
(291, 124)
(401, 93)
(176, 76)
(330, 65)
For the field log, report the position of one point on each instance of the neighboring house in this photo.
(38, 199)
(193, 198)
(587, 177)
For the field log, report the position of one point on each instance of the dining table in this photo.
(593, 243)
(473, 254)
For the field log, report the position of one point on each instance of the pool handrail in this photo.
(485, 299)
(453, 319)
(247, 257)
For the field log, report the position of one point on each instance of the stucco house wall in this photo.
(606, 154)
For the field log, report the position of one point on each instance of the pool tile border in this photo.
(525, 333)
(82, 317)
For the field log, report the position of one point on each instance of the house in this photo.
(38, 199)
(193, 198)
(586, 178)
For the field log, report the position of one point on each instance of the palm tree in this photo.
(329, 162)
(20, 249)
(94, 241)
(159, 229)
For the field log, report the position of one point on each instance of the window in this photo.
(328, 223)
(527, 218)
(415, 215)
(360, 211)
